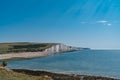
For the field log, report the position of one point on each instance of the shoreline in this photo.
(29, 55)
(62, 76)
(24, 55)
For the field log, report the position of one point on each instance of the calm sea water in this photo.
(92, 62)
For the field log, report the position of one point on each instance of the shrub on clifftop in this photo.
(4, 63)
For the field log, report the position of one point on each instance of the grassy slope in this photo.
(6, 74)
(11, 75)
(58, 76)
(23, 47)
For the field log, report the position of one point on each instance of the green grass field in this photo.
(23, 47)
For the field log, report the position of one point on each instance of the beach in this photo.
(24, 55)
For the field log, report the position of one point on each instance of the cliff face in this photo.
(61, 48)
(18, 47)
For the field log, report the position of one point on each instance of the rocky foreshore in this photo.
(59, 76)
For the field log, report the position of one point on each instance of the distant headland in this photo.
(33, 49)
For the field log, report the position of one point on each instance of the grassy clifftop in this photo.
(23, 47)
(60, 76)
(6, 74)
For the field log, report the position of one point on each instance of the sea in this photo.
(85, 62)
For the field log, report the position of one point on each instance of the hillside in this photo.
(32, 50)
(24, 47)
(6, 74)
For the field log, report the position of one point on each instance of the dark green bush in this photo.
(4, 63)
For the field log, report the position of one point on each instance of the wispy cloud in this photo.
(102, 21)
(109, 24)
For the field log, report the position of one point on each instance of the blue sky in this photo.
(84, 23)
